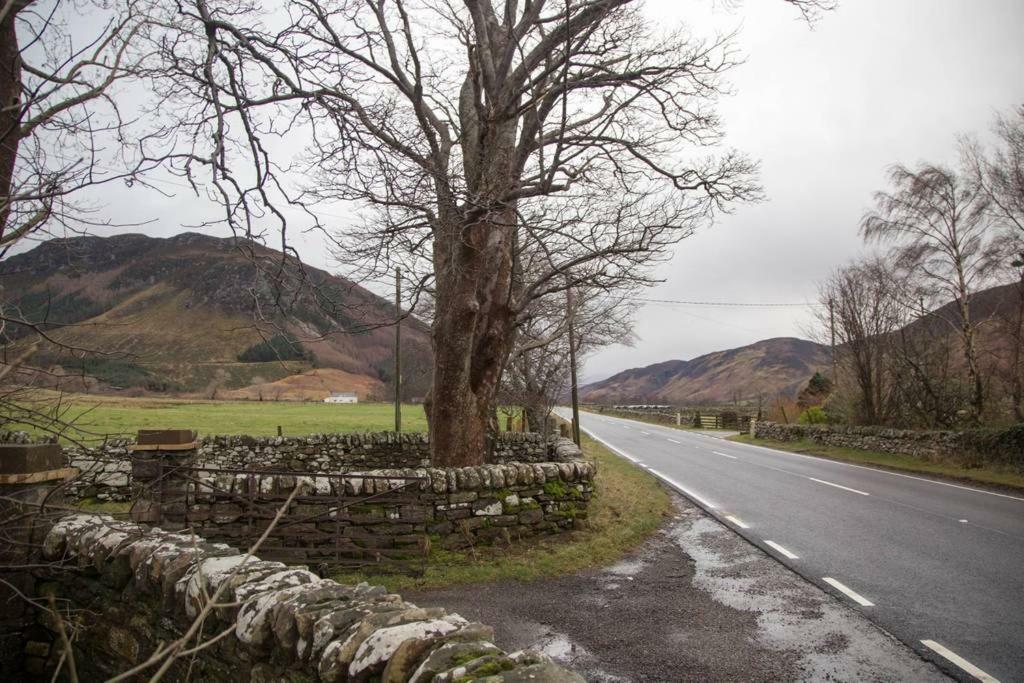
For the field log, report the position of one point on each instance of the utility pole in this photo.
(398, 349)
(832, 330)
(571, 314)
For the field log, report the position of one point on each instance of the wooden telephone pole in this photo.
(832, 330)
(398, 349)
(572, 368)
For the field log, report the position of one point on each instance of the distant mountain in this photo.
(773, 366)
(782, 366)
(196, 314)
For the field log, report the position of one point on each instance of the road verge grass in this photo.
(628, 506)
(892, 461)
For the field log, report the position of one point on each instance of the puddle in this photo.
(626, 567)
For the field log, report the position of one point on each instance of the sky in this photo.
(825, 110)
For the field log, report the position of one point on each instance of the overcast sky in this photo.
(825, 111)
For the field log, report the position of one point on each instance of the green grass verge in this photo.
(96, 417)
(628, 507)
(905, 463)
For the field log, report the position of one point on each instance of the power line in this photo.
(745, 304)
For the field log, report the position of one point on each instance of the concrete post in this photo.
(159, 485)
(29, 475)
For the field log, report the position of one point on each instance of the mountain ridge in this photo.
(178, 315)
(774, 366)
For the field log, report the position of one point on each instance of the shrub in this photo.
(279, 347)
(814, 415)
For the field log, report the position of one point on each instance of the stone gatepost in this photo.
(30, 475)
(161, 459)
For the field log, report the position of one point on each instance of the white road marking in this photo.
(782, 551)
(645, 433)
(877, 471)
(959, 661)
(724, 455)
(671, 482)
(963, 521)
(838, 486)
(674, 441)
(737, 521)
(857, 598)
(626, 427)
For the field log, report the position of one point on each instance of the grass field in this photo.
(892, 461)
(629, 506)
(99, 416)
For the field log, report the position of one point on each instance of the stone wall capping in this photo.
(285, 623)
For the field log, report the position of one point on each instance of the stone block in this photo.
(26, 458)
(165, 437)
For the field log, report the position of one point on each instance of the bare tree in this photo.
(536, 375)
(999, 176)
(867, 313)
(467, 129)
(941, 231)
(60, 123)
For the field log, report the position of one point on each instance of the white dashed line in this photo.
(845, 488)
(837, 463)
(674, 441)
(856, 597)
(671, 482)
(737, 521)
(782, 551)
(645, 433)
(959, 661)
(724, 455)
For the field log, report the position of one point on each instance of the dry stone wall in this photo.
(106, 469)
(453, 507)
(968, 448)
(138, 587)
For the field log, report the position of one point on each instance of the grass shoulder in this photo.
(628, 506)
(892, 461)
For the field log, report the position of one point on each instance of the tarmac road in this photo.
(937, 564)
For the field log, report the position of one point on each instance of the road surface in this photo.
(937, 564)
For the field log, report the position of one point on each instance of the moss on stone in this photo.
(556, 488)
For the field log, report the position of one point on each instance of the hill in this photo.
(201, 315)
(772, 367)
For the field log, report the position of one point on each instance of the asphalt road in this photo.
(941, 565)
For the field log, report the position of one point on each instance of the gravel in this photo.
(695, 602)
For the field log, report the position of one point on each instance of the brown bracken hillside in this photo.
(200, 315)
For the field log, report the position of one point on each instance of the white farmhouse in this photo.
(342, 397)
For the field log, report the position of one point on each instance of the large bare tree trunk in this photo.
(10, 109)
(472, 337)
